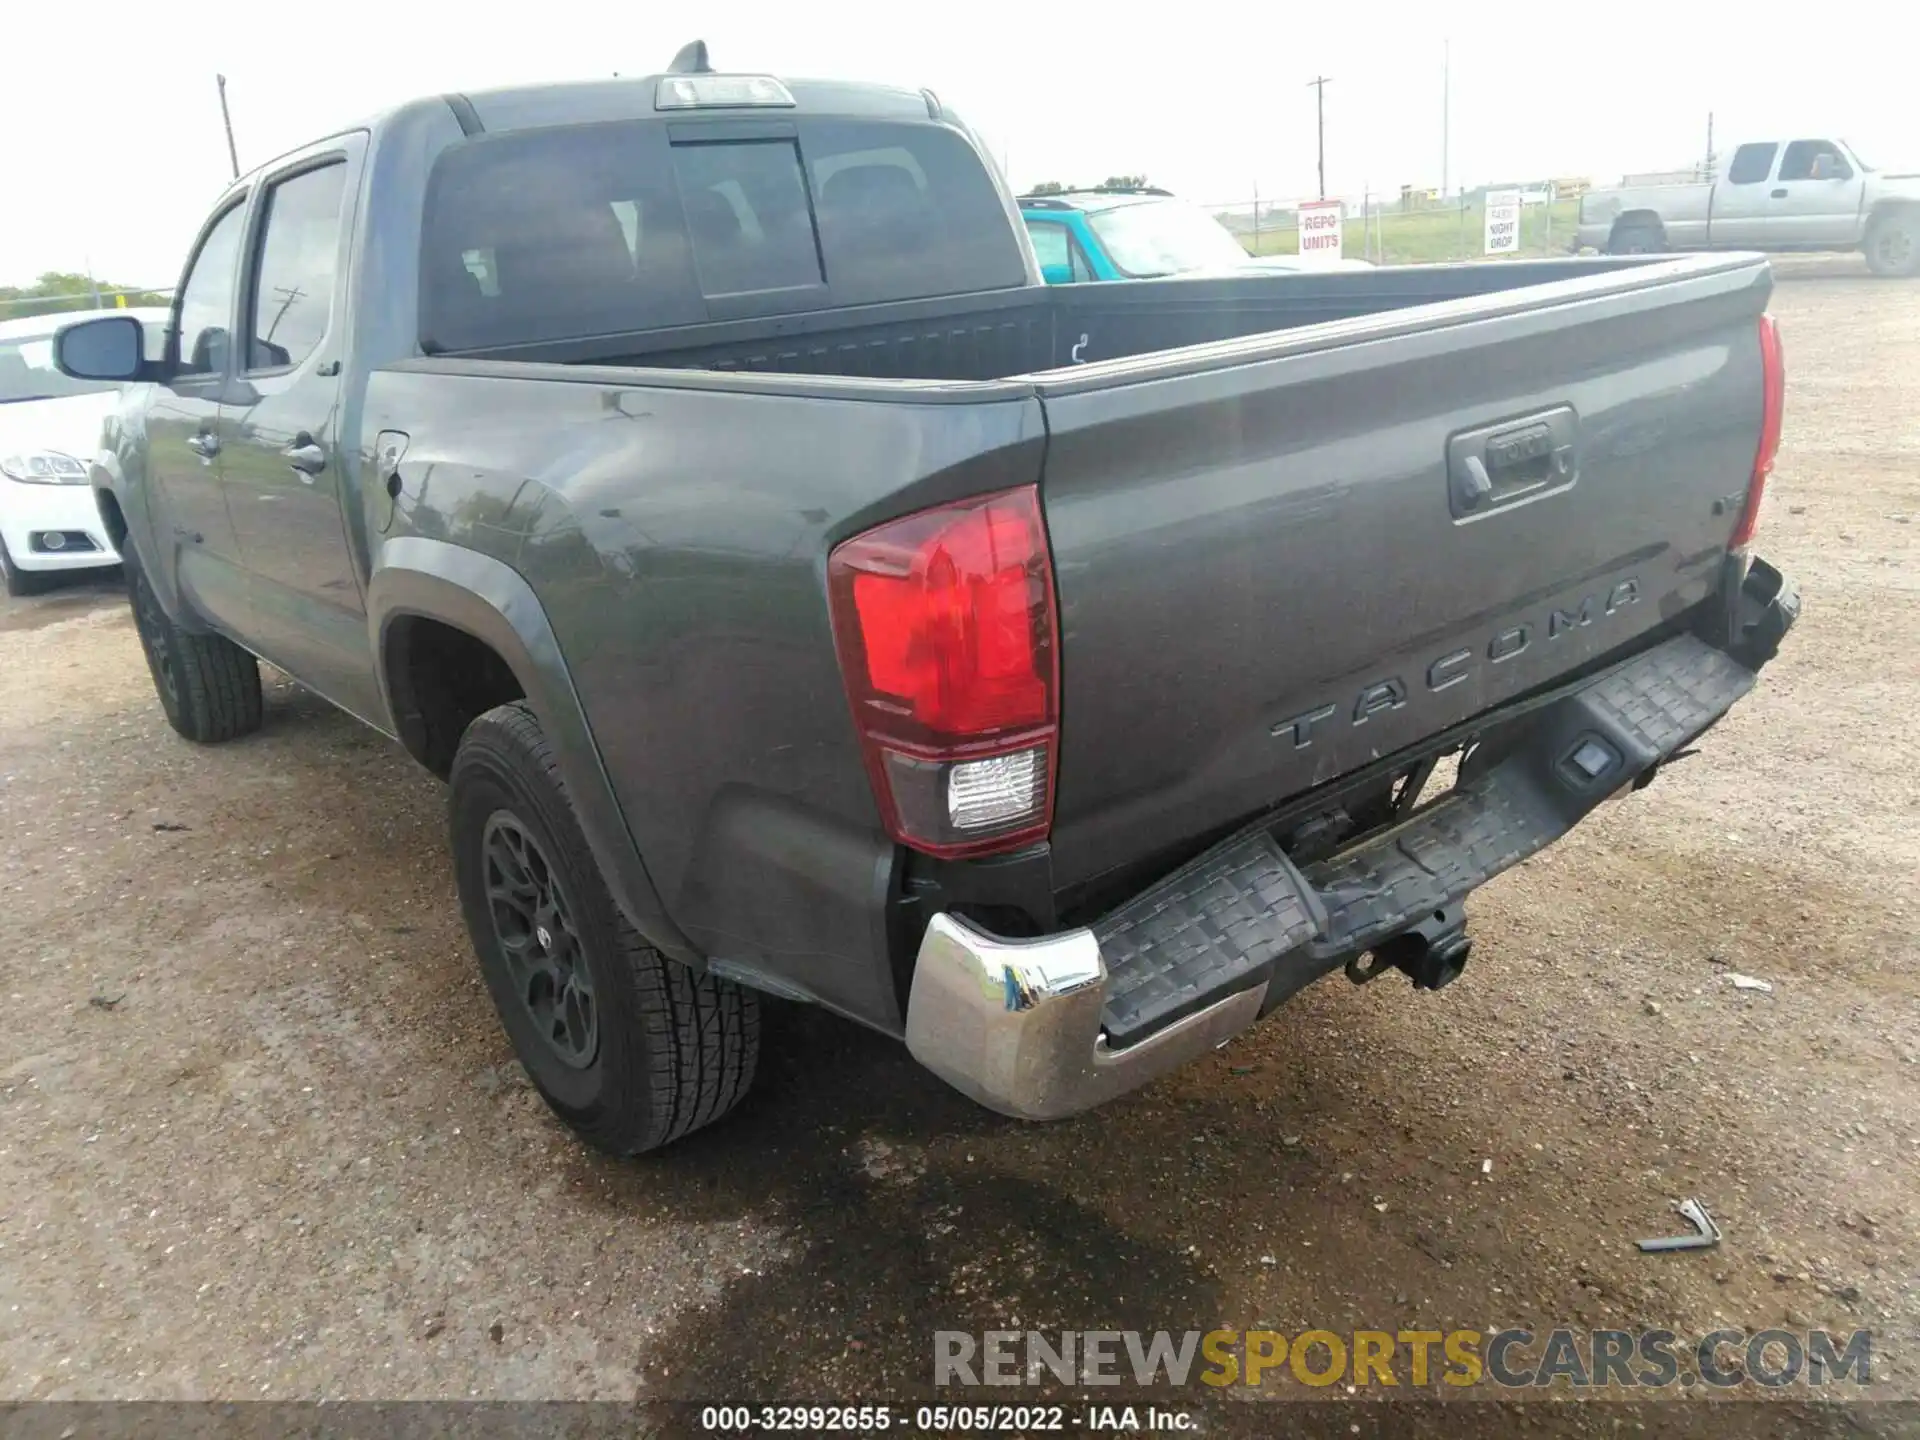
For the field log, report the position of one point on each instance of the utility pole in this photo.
(1446, 114)
(233, 155)
(1707, 174)
(1319, 85)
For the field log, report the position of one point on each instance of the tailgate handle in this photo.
(1471, 483)
(1498, 464)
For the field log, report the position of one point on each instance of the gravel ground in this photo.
(261, 1135)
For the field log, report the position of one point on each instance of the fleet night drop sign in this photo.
(1322, 224)
(1503, 222)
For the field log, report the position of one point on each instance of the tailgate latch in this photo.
(1512, 460)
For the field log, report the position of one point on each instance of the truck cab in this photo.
(1777, 194)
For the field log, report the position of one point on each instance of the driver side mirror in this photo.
(110, 348)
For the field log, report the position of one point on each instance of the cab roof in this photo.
(623, 97)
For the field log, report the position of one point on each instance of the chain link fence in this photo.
(1410, 228)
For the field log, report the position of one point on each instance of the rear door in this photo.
(1272, 571)
(1743, 203)
(288, 483)
(183, 425)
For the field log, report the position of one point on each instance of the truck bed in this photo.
(1019, 332)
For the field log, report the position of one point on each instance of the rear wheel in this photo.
(19, 582)
(1636, 237)
(629, 1048)
(208, 686)
(1893, 244)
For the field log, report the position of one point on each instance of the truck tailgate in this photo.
(1281, 558)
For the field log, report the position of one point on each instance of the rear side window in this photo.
(1050, 244)
(1751, 164)
(575, 231)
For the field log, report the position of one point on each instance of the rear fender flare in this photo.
(490, 601)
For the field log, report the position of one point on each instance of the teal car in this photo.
(1083, 235)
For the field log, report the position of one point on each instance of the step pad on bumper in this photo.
(1208, 929)
(1243, 913)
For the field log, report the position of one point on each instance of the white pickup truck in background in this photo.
(1796, 195)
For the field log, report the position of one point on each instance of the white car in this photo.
(49, 431)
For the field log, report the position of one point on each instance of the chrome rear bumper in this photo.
(1015, 1025)
(1044, 1028)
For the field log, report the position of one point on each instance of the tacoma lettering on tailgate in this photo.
(1450, 669)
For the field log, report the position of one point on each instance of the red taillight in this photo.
(1773, 407)
(945, 627)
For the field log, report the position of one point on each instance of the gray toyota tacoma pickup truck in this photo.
(804, 600)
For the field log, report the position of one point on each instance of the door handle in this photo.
(204, 443)
(1781, 193)
(307, 458)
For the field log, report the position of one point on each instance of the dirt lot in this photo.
(261, 1135)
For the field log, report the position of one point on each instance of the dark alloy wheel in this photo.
(208, 686)
(156, 635)
(532, 920)
(631, 1049)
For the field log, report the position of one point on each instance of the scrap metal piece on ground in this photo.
(1696, 1214)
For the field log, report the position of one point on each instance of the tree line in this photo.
(59, 291)
(1112, 182)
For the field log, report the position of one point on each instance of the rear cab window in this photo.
(573, 231)
(1751, 164)
(748, 220)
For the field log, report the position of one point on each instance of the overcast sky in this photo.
(111, 154)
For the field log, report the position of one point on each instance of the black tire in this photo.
(1893, 244)
(1636, 237)
(643, 1052)
(208, 686)
(19, 582)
